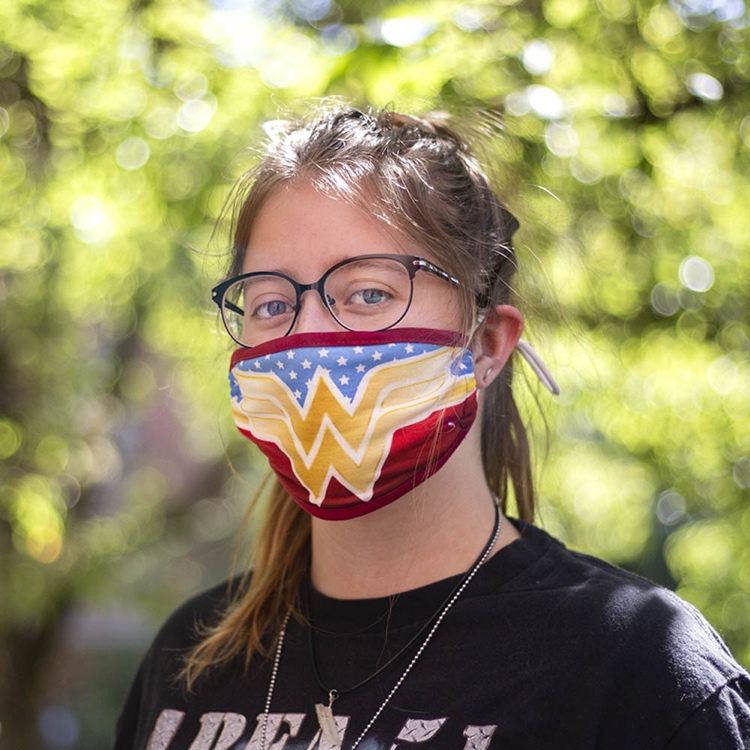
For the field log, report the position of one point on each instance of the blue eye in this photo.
(272, 309)
(370, 297)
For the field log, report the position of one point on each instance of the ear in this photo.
(495, 342)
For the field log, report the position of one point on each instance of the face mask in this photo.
(352, 421)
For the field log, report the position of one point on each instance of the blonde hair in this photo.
(420, 177)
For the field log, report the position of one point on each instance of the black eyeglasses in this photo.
(365, 293)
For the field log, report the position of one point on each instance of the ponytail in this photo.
(269, 588)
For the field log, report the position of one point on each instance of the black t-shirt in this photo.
(546, 648)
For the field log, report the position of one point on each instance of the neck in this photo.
(434, 532)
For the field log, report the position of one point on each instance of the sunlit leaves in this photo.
(620, 136)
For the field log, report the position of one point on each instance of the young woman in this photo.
(391, 603)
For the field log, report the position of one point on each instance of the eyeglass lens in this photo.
(369, 294)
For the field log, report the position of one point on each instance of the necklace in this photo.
(325, 713)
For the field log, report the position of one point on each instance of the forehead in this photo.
(303, 231)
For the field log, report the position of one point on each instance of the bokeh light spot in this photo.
(723, 375)
(538, 56)
(338, 39)
(87, 213)
(132, 153)
(561, 140)
(90, 220)
(191, 85)
(696, 273)
(517, 104)
(10, 438)
(470, 18)
(545, 102)
(670, 507)
(403, 32)
(587, 170)
(160, 123)
(194, 115)
(705, 87)
(664, 300)
(615, 105)
(312, 10)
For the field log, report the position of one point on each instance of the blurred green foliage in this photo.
(620, 135)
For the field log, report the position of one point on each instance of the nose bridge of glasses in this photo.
(316, 316)
(316, 286)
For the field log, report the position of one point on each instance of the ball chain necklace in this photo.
(325, 713)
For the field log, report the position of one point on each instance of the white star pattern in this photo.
(353, 364)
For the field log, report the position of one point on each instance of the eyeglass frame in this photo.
(412, 264)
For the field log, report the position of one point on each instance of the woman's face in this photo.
(301, 233)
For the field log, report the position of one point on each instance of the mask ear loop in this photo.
(527, 351)
(535, 362)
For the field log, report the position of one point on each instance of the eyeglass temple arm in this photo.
(535, 362)
(425, 265)
(218, 297)
(221, 301)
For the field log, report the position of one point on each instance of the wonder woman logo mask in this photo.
(351, 421)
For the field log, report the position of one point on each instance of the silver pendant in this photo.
(327, 722)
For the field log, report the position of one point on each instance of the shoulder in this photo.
(157, 677)
(612, 603)
(649, 652)
(181, 631)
